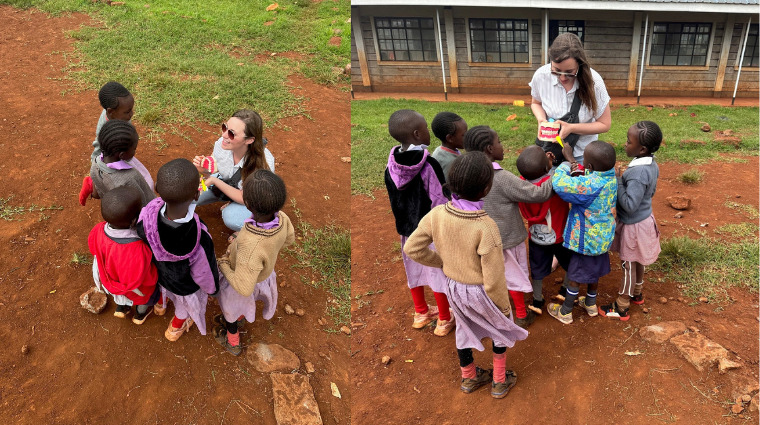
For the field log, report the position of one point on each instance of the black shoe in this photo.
(537, 306)
(138, 319)
(526, 321)
(220, 335)
(121, 311)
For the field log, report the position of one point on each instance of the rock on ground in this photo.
(662, 332)
(93, 300)
(272, 357)
(679, 202)
(294, 402)
(698, 350)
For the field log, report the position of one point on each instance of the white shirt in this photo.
(556, 101)
(226, 168)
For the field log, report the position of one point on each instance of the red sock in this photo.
(519, 299)
(418, 296)
(177, 323)
(499, 367)
(443, 306)
(233, 339)
(161, 301)
(469, 371)
(86, 190)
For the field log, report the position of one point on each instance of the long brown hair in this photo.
(254, 127)
(568, 45)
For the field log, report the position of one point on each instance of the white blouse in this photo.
(225, 166)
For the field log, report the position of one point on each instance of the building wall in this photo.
(608, 39)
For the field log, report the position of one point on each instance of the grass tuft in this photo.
(692, 176)
(80, 259)
(11, 212)
(749, 210)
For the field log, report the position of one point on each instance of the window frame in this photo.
(556, 21)
(376, 42)
(470, 62)
(745, 28)
(708, 54)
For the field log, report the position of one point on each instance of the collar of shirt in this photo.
(185, 219)
(466, 205)
(266, 226)
(454, 151)
(118, 165)
(644, 160)
(414, 148)
(496, 166)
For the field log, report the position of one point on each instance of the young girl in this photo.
(449, 128)
(117, 165)
(238, 153)
(468, 247)
(248, 267)
(501, 205)
(637, 238)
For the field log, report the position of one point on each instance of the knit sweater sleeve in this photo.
(519, 190)
(492, 263)
(243, 278)
(417, 247)
(631, 189)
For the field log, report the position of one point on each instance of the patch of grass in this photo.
(749, 210)
(197, 61)
(370, 141)
(692, 176)
(12, 212)
(738, 231)
(81, 259)
(326, 251)
(708, 267)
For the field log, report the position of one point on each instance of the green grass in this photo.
(195, 61)
(10, 212)
(81, 259)
(738, 231)
(326, 252)
(709, 267)
(749, 210)
(692, 176)
(370, 141)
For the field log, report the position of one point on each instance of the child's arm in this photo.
(417, 246)
(235, 194)
(576, 190)
(630, 193)
(519, 190)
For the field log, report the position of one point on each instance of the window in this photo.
(499, 40)
(406, 39)
(751, 53)
(683, 44)
(560, 27)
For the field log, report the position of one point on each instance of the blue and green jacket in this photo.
(590, 224)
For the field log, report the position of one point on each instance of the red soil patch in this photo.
(335, 41)
(83, 368)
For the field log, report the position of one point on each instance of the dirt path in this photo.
(82, 368)
(576, 374)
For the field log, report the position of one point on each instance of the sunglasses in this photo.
(228, 130)
(565, 74)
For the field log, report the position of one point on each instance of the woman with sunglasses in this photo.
(555, 85)
(237, 154)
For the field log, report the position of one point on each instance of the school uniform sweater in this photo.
(445, 157)
(183, 252)
(414, 182)
(535, 213)
(636, 187)
(467, 246)
(105, 178)
(253, 254)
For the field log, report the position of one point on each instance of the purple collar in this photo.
(496, 166)
(466, 205)
(266, 226)
(118, 165)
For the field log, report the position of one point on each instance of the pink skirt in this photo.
(419, 275)
(638, 242)
(516, 269)
(235, 305)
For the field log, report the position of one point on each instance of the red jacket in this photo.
(123, 265)
(535, 213)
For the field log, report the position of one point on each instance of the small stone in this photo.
(693, 329)
(334, 390)
(321, 321)
(293, 399)
(724, 365)
(289, 309)
(337, 31)
(737, 408)
(309, 367)
(93, 300)
(346, 159)
(300, 312)
(663, 300)
(385, 359)
(678, 215)
(662, 331)
(670, 298)
(645, 310)
(267, 358)
(703, 300)
(679, 202)
(25, 349)
(345, 330)
(680, 300)
(706, 128)
(347, 69)
(746, 398)
(697, 319)
(755, 403)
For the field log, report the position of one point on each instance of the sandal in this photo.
(500, 389)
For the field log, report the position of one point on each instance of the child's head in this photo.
(409, 127)
(471, 175)
(117, 101)
(449, 128)
(177, 181)
(118, 139)
(264, 192)
(643, 139)
(121, 206)
(533, 163)
(483, 138)
(599, 156)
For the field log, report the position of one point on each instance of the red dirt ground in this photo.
(83, 368)
(573, 374)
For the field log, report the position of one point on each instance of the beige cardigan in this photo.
(253, 254)
(468, 247)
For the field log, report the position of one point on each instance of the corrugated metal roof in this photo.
(703, 6)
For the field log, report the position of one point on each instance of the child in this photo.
(413, 180)
(122, 263)
(117, 165)
(501, 204)
(469, 250)
(118, 103)
(449, 128)
(546, 223)
(248, 269)
(590, 224)
(637, 238)
(182, 247)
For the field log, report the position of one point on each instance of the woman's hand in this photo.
(197, 160)
(565, 129)
(211, 180)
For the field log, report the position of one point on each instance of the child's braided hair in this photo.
(650, 135)
(478, 138)
(117, 136)
(444, 124)
(264, 192)
(470, 174)
(110, 93)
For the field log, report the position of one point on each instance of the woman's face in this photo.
(233, 138)
(566, 71)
